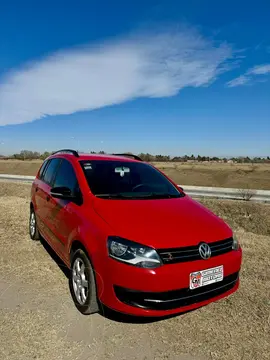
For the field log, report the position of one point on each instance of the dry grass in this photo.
(39, 321)
(15, 189)
(252, 217)
(19, 167)
(221, 175)
(204, 174)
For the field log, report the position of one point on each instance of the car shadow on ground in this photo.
(124, 318)
(62, 266)
(105, 311)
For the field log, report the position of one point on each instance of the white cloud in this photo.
(149, 65)
(240, 80)
(251, 75)
(260, 69)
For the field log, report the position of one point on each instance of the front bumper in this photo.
(165, 290)
(175, 298)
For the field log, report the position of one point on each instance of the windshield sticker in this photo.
(87, 166)
(122, 170)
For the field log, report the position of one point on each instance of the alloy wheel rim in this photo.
(79, 281)
(32, 224)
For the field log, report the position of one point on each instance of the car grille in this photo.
(175, 298)
(191, 253)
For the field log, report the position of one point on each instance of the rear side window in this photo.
(66, 176)
(42, 169)
(50, 171)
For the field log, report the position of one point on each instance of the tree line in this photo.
(33, 155)
(199, 158)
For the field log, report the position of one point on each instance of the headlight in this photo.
(133, 253)
(235, 245)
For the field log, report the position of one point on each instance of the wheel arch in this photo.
(75, 245)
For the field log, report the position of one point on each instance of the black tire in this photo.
(34, 234)
(90, 305)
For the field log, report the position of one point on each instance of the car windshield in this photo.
(127, 180)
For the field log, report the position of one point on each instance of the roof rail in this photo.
(73, 152)
(130, 155)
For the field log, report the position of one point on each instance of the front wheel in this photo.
(82, 283)
(33, 229)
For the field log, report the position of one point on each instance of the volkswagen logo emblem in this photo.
(205, 251)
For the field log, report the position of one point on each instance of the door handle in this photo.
(48, 198)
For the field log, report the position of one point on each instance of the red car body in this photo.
(171, 226)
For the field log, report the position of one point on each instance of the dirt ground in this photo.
(255, 176)
(39, 321)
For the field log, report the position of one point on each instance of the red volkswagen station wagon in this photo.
(132, 239)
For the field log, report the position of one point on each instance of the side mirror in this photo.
(180, 187)
(62, 192)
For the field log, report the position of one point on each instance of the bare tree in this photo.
(246, 194)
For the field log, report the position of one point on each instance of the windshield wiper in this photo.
(154, 195)
(114, 196)
(138, 196)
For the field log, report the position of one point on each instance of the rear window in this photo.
(130, 179)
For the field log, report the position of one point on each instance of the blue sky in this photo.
(170, 77)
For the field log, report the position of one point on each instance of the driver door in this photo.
(64, 213)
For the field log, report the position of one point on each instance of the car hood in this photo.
(162, 223)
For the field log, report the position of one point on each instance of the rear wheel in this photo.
(33, 229)
(82, 283)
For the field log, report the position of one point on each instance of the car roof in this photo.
(84, 156)
(105, 157)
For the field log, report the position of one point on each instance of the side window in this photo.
(50, 171)
(66, 176)
(42, 169)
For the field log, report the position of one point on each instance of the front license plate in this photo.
(205, 277)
